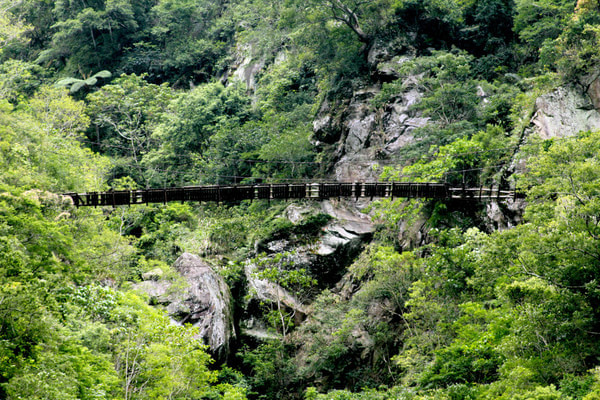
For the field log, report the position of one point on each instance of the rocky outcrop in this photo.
(267, 291)
(347, 229)
(366, 137)
(264, 292)
(564, 112)
(504, 215)
(204, 301)
(247, 70)
(324, 256)
(339, 241)
(246, 67)
(594, 92)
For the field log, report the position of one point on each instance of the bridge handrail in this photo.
(316, 191)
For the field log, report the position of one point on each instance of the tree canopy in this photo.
(440, 300)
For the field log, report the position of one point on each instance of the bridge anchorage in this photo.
(314, 191)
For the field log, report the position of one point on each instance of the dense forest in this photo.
(339, 299)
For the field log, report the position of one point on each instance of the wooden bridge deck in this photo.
(315, 191)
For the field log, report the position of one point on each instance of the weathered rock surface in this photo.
(326, 257)
(564, 112)
(504, 215)
(336, 245)
(260, 292)
(594, 92)
(246, 67)
(205, 302)
(268, 291)
(348, 228)
(367, 137)
(561, 113)
(247, 70)
(153, 275)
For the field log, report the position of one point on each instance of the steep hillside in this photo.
(337, 299)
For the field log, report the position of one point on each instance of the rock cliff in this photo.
(362, 137)
(564, 112)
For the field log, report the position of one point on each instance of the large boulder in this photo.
(208, 303)
(205, 302)
(347, 231)
(267, 291)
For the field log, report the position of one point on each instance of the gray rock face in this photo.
(564, 112)
(561, 113)
(348, 228)
(594, 92)
(262, 291)
(359, 129)
(246, 67)
(504, 215)
(205, 302)
(367, 137)
(208, 301)
(247, 72)
(265, 290)
(327, 257)
(153, 275)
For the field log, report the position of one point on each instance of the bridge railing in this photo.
(236, 193)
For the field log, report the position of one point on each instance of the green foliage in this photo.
(574, 51)
(450, 100)
(473, 356)
(471, 315)
(232, 152)
(465, 161)
(275, 146)
(271, 372)
(349, 342)
(489, 27)
(12, 27)
(89, 37)
(124, 115)
(156, 359)
(292, 151)
(41, 147)
(540, 21)
(189, 124)
(66, 370)
(533, 298)
(46, 254)
(181, 42)
(161, 230)
(436, 23)
(19, 80)
(474, 162)
(232, 230)
(229, 235)
(305, 231)
(75, 85)
(281, 270)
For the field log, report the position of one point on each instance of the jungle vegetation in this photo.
(99, 94)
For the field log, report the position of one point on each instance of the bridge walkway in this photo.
(314, 191)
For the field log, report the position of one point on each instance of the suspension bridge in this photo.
(313, 191)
